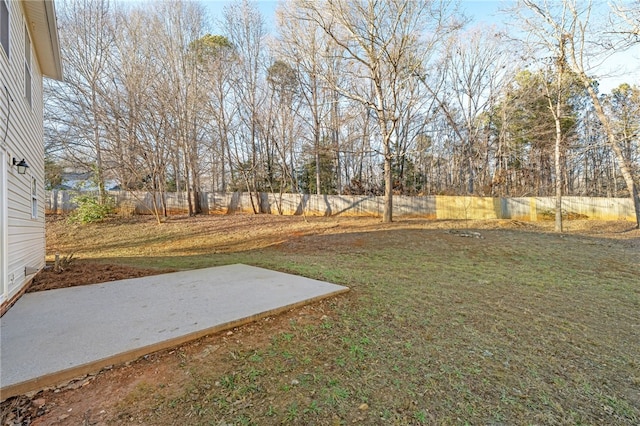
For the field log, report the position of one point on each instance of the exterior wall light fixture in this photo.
(21, 165)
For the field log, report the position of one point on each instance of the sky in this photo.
(620, 68)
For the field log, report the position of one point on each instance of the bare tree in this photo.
(86, 40)
(625, 20)
(555, 101)
(304, 47)
(358, 97)
(380, 43)
(218, 59)
(474, 72)
(244, 27)
(135, 135)
(178, 25)
(570, 23)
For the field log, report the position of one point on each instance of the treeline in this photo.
(344, 97)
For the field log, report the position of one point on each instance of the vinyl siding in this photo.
(25, 139)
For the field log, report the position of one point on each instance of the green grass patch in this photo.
(519, 327)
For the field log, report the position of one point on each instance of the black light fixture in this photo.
(21, 165)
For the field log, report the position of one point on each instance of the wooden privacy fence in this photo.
(432, 207)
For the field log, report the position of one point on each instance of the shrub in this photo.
(90, 210)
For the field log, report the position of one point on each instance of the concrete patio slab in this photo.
(53, 336)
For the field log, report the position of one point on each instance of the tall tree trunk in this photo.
(223, 170)
(623, 162)
(317, 160)
(99, 170)
(557, 115)
(558, 170)
(387, 215)
(335, 133)
(187, 186)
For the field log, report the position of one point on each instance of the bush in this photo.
(90, 210)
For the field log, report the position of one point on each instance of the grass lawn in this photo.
(522, 326)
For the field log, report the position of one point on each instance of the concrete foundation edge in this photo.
(57, 378)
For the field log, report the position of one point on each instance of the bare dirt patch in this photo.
(82, 272)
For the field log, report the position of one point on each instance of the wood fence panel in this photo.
(450, 207)
(432, 207)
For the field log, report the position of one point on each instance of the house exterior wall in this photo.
(22, 242)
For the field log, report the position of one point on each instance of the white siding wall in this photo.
(24, 139)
